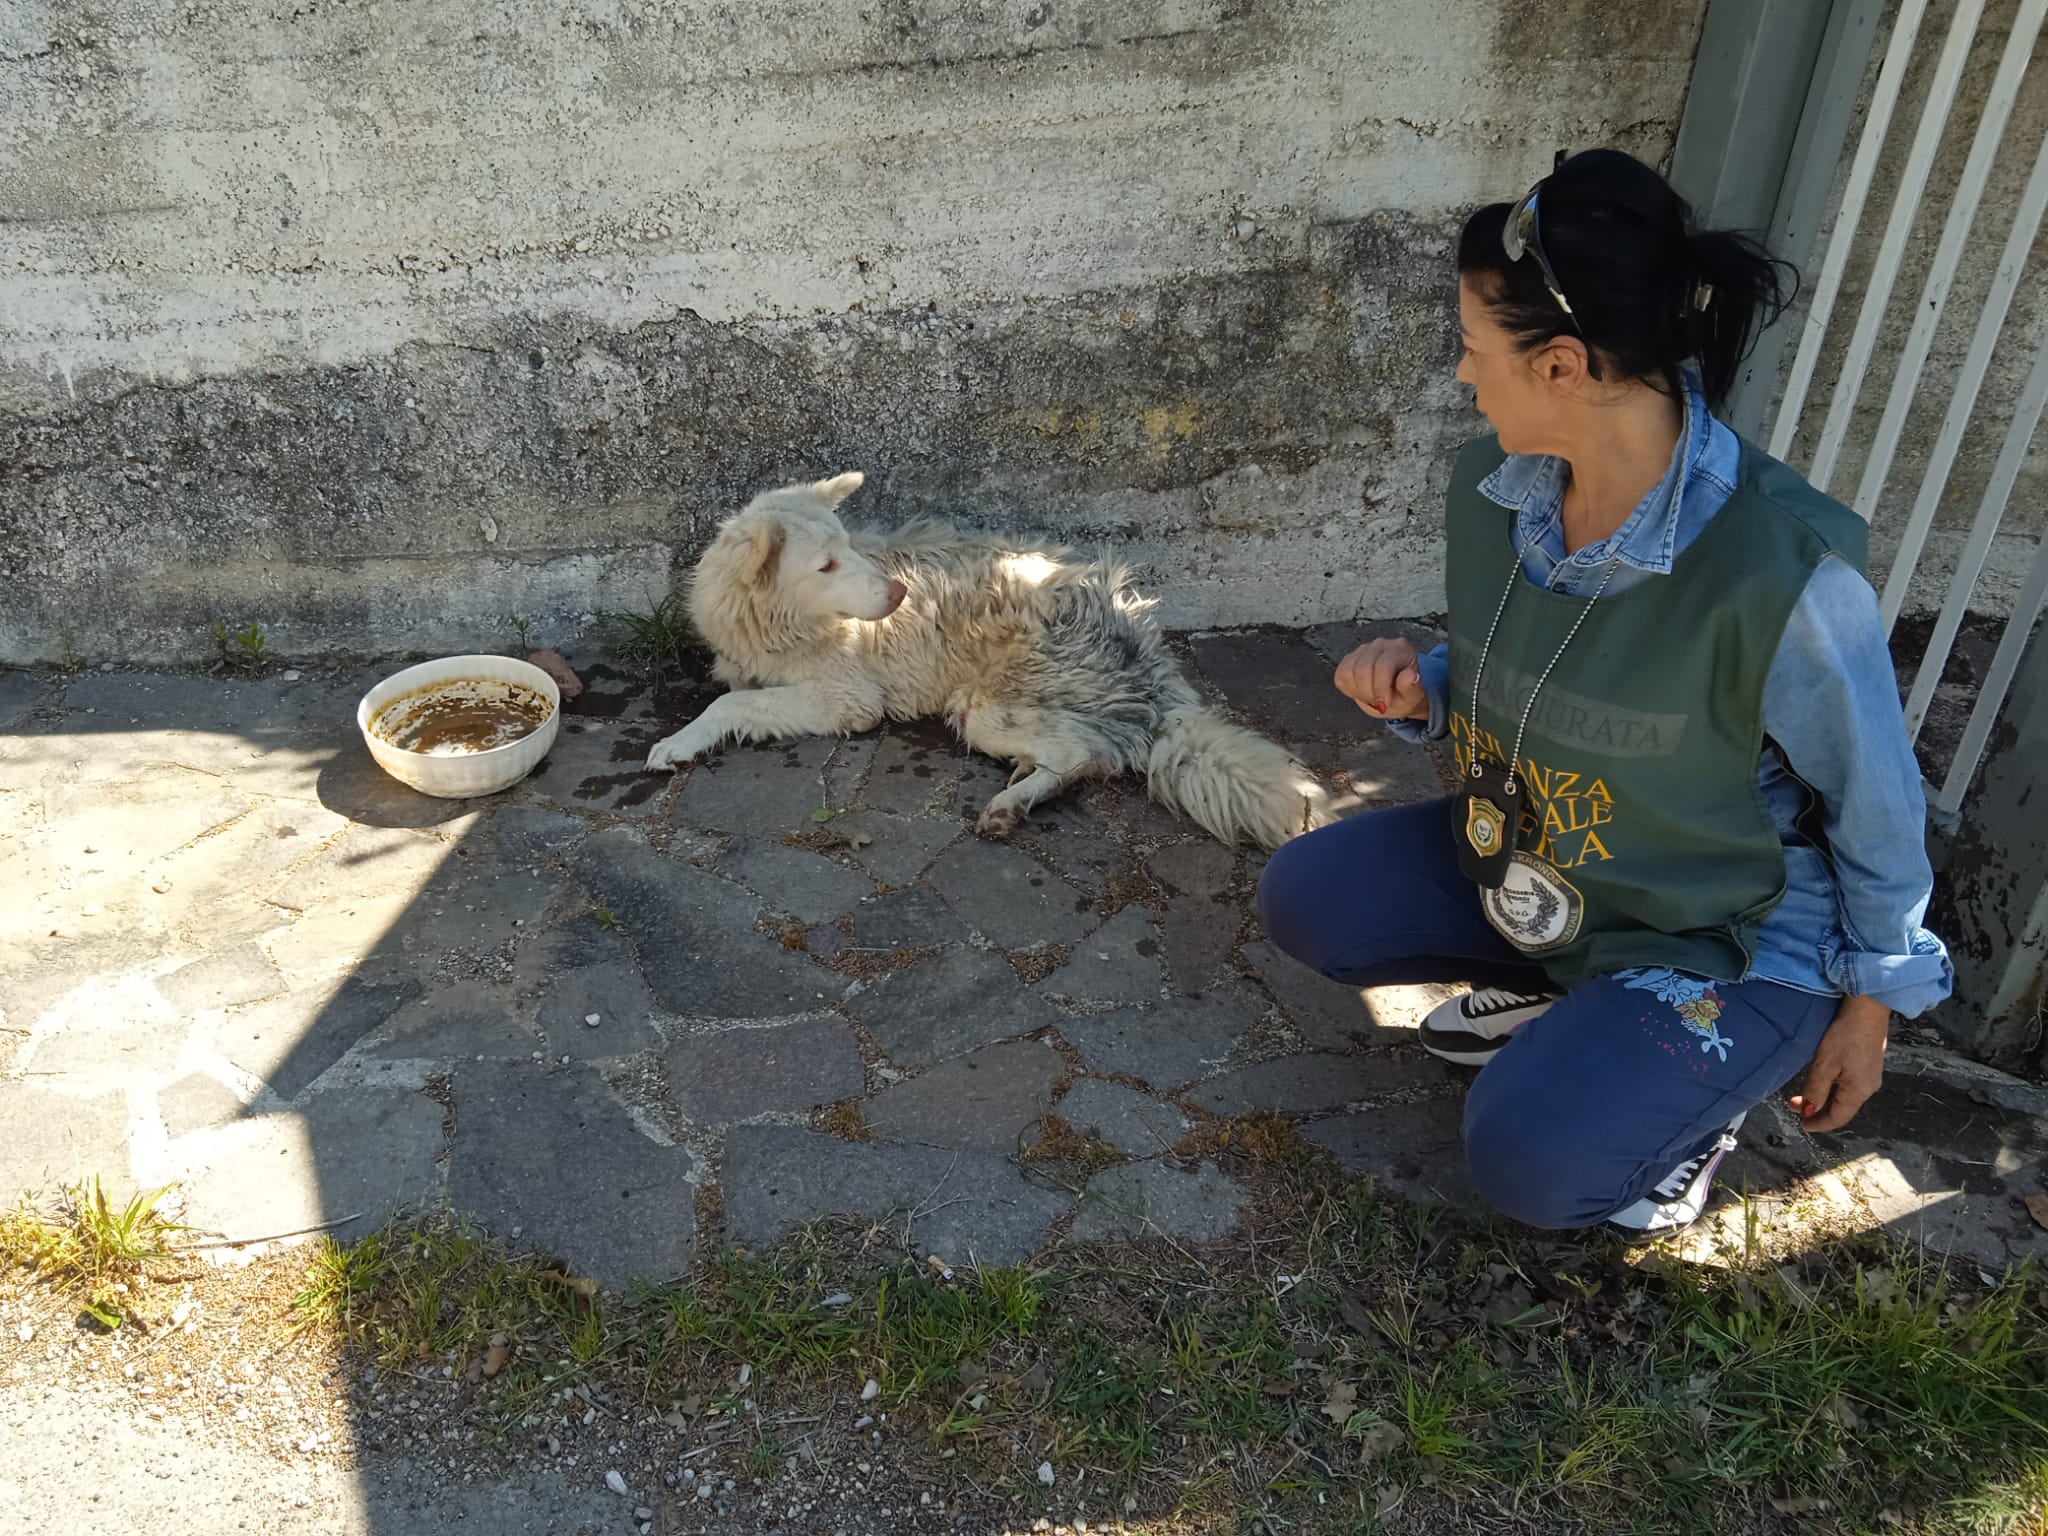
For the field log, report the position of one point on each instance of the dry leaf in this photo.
(1381, 1439)
(2037, 1207)
(1839, 1410)
(1277, 1386)
(495, 1358)
(1352, 1310)
(582, 1285)
(1340, 1403)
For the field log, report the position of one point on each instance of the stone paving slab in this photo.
(1378, 769)
(289, 1041)
(111, 1048)
(1008, 896)
(553, 1160)
(909, 918)
(1277, 680)
(988, 1099)
(530, 833)
(1117, 963)
(1074, 833)
(244, 974)
(235, 953)
(732, 1074)
(694, 934)
(1170, 1045)
(1327, 1014)
(1141, 1200)
(20, 693)
(807, 886)
(764, 791)
(1310, 1084)
(609, 992)
(1928, 1153)
(366, 1153)
(100, 829)
(196, 1102)
(909, 775)
(463, 1021)
(600, 766)
(1130, 1121)
(56, 1138)
(947, 1005)
(896, 850)
(1413, 1150)
(960, 1204)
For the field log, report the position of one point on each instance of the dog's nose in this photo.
(897, 592)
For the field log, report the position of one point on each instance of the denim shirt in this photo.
(1850, 921)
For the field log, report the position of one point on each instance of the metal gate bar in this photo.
(1891, 76)
(1948, 255)
(1891, 248)
(2005, 282)
(2027, 608)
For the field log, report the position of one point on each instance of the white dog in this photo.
(1047, 661)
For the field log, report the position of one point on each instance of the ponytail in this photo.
(1740, 292)
(1649, 289)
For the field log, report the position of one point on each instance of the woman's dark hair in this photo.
(1635, 267)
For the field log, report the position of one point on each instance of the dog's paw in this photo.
(674, 752)
(998, 821)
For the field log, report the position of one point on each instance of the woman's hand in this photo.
(1847, 1066)
(1381, 677)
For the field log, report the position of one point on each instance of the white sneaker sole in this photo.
(1462, 1050)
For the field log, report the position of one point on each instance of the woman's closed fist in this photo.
(1382, 678)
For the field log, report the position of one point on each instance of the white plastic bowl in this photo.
(466, 775)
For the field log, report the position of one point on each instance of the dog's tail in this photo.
(1234, 782)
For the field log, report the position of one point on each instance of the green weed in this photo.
(92, 1247)
(657, 643)
(241, 649)
(1408, 1356)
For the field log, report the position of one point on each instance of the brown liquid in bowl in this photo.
(461, 716)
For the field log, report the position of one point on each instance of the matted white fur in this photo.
(1032, 654)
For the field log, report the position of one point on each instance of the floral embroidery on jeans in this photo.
(1694, 1000)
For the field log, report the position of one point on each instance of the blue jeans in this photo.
(1587, 1107)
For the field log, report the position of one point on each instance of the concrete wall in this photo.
(376, 323)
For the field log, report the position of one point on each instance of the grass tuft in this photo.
(92, 1247)
(1402, 1358)
(657, 643)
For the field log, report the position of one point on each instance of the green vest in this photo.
(1644, 838)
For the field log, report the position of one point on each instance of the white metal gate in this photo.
(1842, 361)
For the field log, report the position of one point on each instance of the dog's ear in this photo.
(763, 551)
(839, 487)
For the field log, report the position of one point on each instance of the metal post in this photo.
(1742, 111)
(1773, 97)
(1998, 881)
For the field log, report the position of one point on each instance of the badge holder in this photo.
(1489, 818)
(1489, 809)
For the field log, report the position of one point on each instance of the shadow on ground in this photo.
(626, 1019)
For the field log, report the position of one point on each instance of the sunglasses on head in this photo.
(1523, 236)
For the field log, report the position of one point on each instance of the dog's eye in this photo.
(828, 567)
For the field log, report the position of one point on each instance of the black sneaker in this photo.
(1681, 1197)
(1469, 1029)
